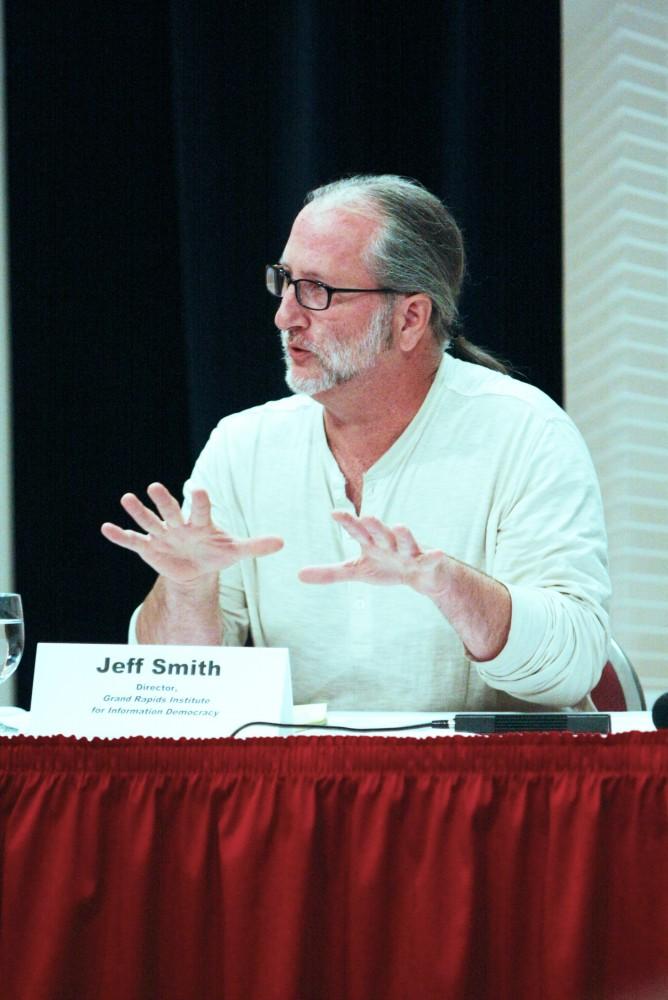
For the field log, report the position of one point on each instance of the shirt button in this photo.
(360, 603)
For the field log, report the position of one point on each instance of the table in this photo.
(515, 866)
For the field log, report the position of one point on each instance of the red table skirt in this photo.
(517, 866)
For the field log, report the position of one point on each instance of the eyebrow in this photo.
(311, 275)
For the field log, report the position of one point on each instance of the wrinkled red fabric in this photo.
(515, 866)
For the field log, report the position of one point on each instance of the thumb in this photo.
(252, 548)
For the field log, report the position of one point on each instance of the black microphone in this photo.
(660, 712)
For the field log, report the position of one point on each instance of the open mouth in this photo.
(298, 353)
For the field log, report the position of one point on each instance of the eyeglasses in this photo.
(309, 293)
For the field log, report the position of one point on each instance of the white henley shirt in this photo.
(491, 471)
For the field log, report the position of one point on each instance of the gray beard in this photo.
(340, 363)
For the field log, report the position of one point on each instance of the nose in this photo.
(290, 314)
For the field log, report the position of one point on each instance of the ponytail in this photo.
(464, 350)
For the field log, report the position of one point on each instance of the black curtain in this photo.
(157, 153)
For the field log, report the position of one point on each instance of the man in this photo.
(422, 532)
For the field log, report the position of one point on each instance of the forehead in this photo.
(328, 242)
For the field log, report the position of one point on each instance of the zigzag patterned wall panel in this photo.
(615, 152)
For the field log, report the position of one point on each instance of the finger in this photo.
(166, 505)
(252, 548)
(381, 535)
(339, 573)
(141, 514)
(120, 536)
(200, 509)
(354, 527)
(406, 544)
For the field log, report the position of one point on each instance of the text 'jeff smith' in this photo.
(134, 665)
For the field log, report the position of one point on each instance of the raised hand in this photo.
(388, 556)
(181, 550)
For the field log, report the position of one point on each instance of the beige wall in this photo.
(615, 152)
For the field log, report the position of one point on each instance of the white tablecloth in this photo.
(25, 723)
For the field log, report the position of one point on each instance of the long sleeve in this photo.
(551, 554)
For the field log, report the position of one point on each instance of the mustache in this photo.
(294, 340)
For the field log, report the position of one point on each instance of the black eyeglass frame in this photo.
(275, 269)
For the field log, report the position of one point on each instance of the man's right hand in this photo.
(179, 550)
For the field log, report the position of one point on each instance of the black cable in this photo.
(434, 724)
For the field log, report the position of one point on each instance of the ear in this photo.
(412, 317)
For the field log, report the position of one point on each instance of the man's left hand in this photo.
(388, 556)
(477, 606)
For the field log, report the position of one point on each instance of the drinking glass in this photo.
(11, 640)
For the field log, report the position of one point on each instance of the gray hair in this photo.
(418, 248)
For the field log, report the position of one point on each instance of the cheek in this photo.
(345, 333)
(340, 333)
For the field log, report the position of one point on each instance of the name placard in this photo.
(92, 689)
